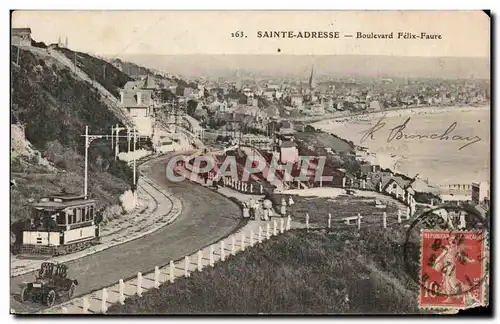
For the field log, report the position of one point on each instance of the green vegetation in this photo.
(297, 272)
(54, 106)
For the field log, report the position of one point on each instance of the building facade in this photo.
(21, 36)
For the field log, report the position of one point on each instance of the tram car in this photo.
(61, 224)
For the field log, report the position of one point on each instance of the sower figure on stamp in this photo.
(446, 263)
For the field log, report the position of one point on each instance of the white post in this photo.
(121, 291)
(343, 182)
(251, 237)
(200, 256)
(408, 213)
(384, 220)
(251, 187)
(307, 220)
(104, 298)
(233, 245)
(268, 231)
(282, 225)
(329, 220)
(260, 234)
(275, 228)
(399, 215)
(222, 251)
(157, 277)
(261, 189)
(186, 266)
(243, 241)
(172, 268)
(211, 257)
(288, 223)
(139, 284)
(359, 221)
(86, 160)
(463, 223)
(85, 305)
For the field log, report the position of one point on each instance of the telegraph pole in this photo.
(135, 186)
(75, 61)
(135, 138)
(18, 51)
(86, 159)
(117, 144)
(112, 135)
(104, 72)
(128, 139)
(88, 140)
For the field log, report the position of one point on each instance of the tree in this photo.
(191, 107)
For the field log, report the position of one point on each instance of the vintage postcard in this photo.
(250, 162)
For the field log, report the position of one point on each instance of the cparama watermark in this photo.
(305, 168)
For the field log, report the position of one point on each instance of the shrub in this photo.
(111, 212)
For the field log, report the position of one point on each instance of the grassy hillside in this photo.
(101, 71)
(52, 106)
(132, 69)
(297, 272)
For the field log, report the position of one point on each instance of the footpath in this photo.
(156, 208)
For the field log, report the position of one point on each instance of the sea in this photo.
(431, 146)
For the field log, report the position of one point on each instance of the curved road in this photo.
(206, 217)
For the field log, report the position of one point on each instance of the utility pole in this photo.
(104, 72)
(112, 136)
(135, 185)
(128, 139)
(135, 138)
(75, 61)
(18, 51)
(88, 140)
(86, 159)
(117, 144)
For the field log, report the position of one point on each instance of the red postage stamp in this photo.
(452, 269)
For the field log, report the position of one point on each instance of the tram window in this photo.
(91, 212)
(61, 218)
(85, 213)
(78, 215)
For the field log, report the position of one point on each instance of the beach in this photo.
(445, 145)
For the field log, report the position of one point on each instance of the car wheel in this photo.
(50, 298)
(71, 291)
(25, 294)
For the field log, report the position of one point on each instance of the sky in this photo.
(117, 33)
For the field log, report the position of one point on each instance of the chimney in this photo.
(139, 98)
(121, 97)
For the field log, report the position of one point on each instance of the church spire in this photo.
(312, 81)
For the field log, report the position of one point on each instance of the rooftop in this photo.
(21, 30)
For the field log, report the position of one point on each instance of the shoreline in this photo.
(401, 112)
(390, 160)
